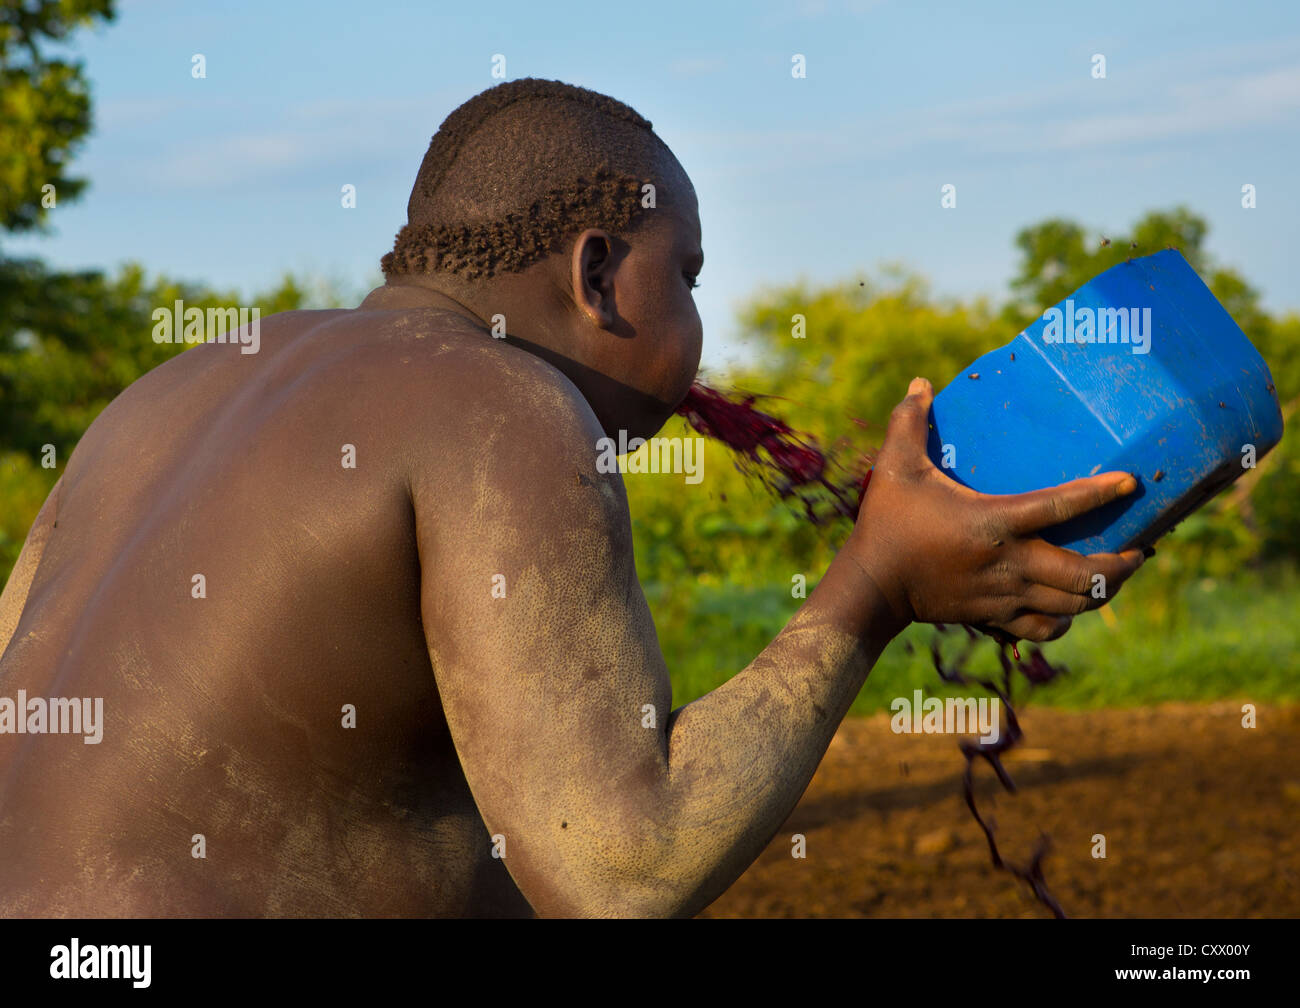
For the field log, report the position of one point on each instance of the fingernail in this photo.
(918, 386)
(1126, 486)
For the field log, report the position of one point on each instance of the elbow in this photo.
(625, 888)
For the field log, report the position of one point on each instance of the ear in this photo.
(593, 269)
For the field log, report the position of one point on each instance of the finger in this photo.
(1055, 602)
(1038, 509)
(1072, 572)
(1038, 627)
(909, 423)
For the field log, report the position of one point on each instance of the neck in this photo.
(397, 294)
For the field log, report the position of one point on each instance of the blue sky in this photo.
(234, 179)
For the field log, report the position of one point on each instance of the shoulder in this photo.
(456, 375)
(488, 421)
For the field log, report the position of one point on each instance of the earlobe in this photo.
(593, 274)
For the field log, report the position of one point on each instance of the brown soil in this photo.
(1200, 817)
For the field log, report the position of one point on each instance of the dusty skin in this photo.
(476, 716)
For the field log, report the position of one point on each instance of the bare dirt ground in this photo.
(1200, 817)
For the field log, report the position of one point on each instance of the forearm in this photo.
(740, 758)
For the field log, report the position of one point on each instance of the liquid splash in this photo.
(792, 465)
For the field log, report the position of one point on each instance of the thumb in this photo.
(909, 423)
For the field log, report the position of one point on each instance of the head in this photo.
(560, 209)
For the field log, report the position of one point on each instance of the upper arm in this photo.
(14, 597)
(544, 650)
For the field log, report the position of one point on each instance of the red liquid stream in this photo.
(790, 464)
(794, 467)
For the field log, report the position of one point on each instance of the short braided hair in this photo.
(521, 167)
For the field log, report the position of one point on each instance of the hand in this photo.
(942, 553)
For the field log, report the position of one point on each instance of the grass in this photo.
(1210, 639)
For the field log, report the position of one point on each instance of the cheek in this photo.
(682, 345)
(693, 337)
(665, 310)
(651, 304)
(662, 308)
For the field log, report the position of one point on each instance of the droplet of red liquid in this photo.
(790, 464)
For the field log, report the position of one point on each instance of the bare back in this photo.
(232, 566)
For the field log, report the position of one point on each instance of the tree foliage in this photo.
(71, 342)
(44, 105)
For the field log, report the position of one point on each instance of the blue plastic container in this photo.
(1174, 394)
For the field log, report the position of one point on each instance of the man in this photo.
(363, 613)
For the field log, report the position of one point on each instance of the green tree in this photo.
(44, 105)
(71, 342)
